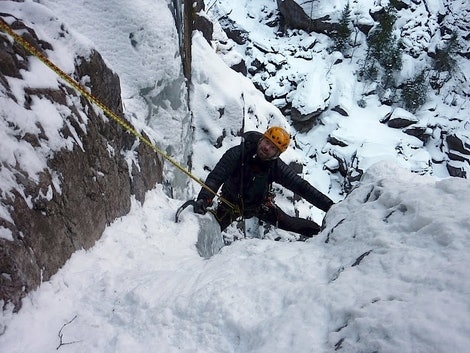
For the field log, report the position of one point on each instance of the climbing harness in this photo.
(92, 99)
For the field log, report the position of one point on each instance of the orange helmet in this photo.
(278, 136)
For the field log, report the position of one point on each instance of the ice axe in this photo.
(182, 207)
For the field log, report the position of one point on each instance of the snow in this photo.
(144, 287)
(387, 274)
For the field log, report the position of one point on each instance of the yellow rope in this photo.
(33, 51)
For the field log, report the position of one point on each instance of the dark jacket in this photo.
(257, 177)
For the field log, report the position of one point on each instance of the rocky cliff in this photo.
(59, 187)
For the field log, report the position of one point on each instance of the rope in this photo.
(242, 169)
(91, 98)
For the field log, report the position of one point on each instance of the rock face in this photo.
(83, 188)
(458, 152)
(293, 16)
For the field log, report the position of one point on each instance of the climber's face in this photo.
(267, 150)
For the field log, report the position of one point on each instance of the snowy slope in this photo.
(388, 274)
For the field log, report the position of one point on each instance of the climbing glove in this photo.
(201, 206)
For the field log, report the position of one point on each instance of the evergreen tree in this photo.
(383, 59)
(384, 46)
(414, 92)
(343, 32)
(444, 63)
(444, 58)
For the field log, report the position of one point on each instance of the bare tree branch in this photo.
(61, 335)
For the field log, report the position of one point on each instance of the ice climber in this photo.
(252, 194)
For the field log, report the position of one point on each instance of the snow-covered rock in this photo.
(67, 170)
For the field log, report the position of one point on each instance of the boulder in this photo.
(399, 118)
(293, 16)
(459, 143)
(205, 26)
(456, 170)
(233, 31)
(421, 132)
